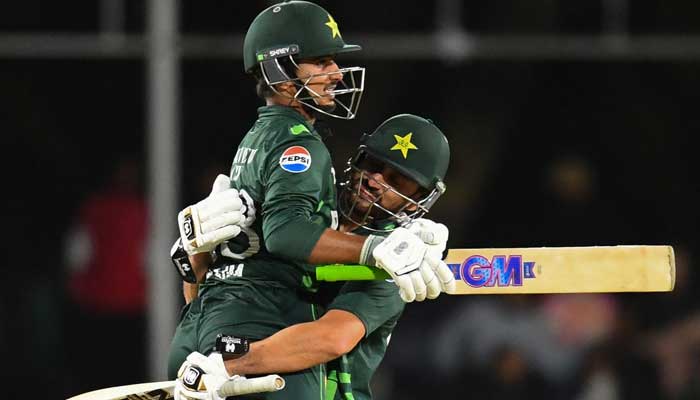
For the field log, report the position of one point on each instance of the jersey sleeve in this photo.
(373, 302)
(298, 179)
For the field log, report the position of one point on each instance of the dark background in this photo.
(514, 124)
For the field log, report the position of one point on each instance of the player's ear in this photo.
(285, 87)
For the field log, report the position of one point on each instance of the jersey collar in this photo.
(276, 110)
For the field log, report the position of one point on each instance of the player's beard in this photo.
(362, 206)
(348, 205)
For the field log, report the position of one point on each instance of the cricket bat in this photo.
(165, 390)
(532, 270)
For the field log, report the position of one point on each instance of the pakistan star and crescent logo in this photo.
(404, 144)
(334, 26)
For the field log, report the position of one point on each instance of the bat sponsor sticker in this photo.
(501, 270)
(295, 159)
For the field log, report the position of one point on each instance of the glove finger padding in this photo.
(218, 221)
(219, 203)
(406, 290)
(430, 232)
(431, 280)
(218, 236)
(444, 273)
(419, 285)
(221, 183)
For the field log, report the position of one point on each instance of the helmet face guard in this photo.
(351, 194)
(302, 30)
(351, 88)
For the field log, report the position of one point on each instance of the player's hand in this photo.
(211, 221)
(435, 235)
(431, 233)
(403, 255)
(201, 377)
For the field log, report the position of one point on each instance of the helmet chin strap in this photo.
(320, 121)
(318, 112)
(319, 109)
(320, 118)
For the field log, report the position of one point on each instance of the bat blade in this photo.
(140, 391)
(532, 270)
(165, 390)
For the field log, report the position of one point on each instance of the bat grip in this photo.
(332, 273)
(269, 383)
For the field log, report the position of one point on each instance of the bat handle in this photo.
(332, 273)
(269, 383)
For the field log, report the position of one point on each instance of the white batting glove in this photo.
(431, 233)
(435, 235)
(402, 254)
(201, 377)
(211, 221)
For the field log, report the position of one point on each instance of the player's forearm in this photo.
(292, 349)
(301, 346)
(190, 291)
(336, 247)
(200, 265)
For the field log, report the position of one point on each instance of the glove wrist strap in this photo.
(182, 264)
(366, 256)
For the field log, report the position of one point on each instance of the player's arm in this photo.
(418, 273)
(301, 346)
(293, 223)
(359, 309)
(203, 226)
(335, 247)
(200, 265)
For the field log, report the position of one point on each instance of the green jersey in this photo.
(378, 305)
(283, 164)
(252, 289)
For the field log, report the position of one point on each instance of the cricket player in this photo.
(258, 284)
(393, 179)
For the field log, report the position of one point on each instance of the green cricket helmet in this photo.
(413, 146)
(298, 30)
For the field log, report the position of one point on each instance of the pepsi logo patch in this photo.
(295, 159)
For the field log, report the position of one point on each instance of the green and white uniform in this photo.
(256, 287)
